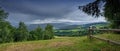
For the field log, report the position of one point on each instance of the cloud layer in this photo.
(47, 11)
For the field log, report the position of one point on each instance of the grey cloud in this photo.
(31, 10)
(42, 10)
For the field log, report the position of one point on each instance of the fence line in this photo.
(92, 29)
(107, 40)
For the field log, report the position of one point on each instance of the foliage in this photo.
(36, 34)
(8, 33)
(91, 8)
(3, 14)
(48, 33)
(111, 11)
(5, 28)
(39, 34)
(5, 32)
(21, 33)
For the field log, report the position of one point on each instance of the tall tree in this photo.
(36, 34)
(5, 28)
(48, 33)
(21, 33)
(39, 32)
(3, 14)
(5, 32)
(111, 10)
(32, 35)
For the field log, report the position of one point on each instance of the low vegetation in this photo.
(64, 44)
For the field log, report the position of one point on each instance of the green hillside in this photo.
(64, 44)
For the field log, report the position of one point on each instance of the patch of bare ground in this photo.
(31, 47)
(58, 44)
(23, 47)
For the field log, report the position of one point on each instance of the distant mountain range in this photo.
(94, 24)
(55, 25)
(83, 25)
(64, 25)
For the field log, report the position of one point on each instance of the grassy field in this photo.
(64, 44)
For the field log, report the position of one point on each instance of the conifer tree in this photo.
(21, 32)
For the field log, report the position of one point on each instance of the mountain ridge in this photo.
(63, 25)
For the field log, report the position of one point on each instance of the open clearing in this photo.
(64, 44)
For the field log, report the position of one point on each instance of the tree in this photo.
(48, 33)
(5, 28)
(3, 14)
(21, 33)
(111, 11)
(5, 32)
(39, 32)
(32, 35)
(36, 34)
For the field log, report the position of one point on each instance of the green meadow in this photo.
(81, 43)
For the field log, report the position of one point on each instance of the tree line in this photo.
(8, 33)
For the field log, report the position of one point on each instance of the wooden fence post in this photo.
(90, 32)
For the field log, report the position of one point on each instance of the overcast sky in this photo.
(47, 11)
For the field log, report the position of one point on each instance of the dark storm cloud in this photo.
(39, 11)
(37, 8)
(42, 8)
